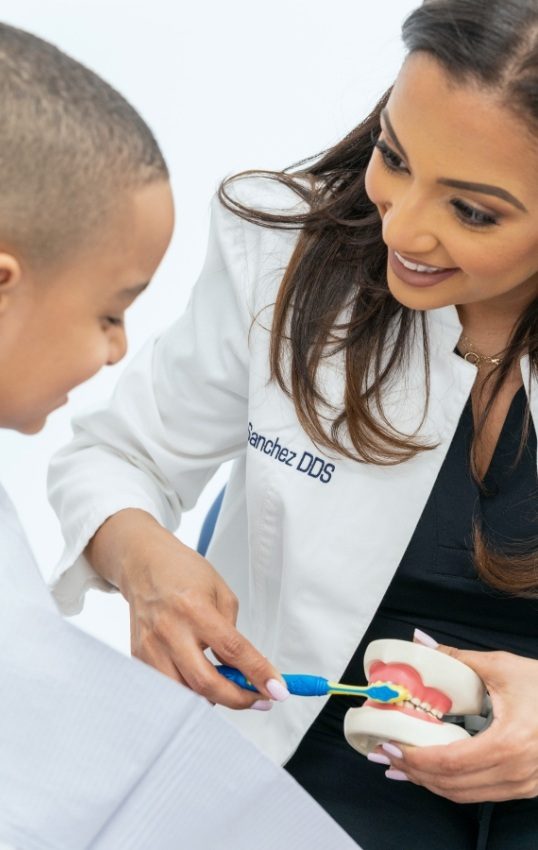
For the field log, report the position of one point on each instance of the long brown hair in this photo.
(338, 266)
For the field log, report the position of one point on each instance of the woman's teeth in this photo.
(416, 267)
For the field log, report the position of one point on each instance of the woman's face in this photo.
(454, 176)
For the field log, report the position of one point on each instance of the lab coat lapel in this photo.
(393, 498)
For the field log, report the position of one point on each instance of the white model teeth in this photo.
(414, 702)
(425, 707)
(416, 267)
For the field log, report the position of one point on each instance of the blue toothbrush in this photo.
(317, 686)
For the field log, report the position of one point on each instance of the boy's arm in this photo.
(99, 752)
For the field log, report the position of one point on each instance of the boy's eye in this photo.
(389, 157)
(472, 216)
(114, 321)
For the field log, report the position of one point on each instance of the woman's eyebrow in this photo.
(392, 134)
(483, 188)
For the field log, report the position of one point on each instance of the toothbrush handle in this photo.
(235, 676)
(304, 686)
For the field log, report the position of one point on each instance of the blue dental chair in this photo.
(208, 527)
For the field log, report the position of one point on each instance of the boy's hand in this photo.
(179, 606)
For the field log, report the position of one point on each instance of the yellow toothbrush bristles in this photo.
(385, 692)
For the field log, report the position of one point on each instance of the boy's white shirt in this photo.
(310, 559)
(100, 752)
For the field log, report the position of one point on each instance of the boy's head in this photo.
(85, 216)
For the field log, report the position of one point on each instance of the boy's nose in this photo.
(117, 348)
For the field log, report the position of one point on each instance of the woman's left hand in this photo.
(500, 763)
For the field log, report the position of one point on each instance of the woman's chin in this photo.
(415, 297)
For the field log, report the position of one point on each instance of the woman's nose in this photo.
(407, 226)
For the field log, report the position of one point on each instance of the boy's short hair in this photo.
(70, 145)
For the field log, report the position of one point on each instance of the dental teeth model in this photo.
(438, 685)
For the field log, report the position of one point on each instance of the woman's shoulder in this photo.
(252, 212)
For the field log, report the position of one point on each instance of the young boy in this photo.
(96, 750)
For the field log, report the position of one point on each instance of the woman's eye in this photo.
(471, 216)
(389, 158)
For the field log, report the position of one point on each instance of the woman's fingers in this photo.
(228, 604)
(483, 752)
(441, 770)
(212, 630)
(157, 656)
(180, 606)
(480, 788)
(500, 763)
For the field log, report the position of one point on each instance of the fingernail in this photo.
(377, 758)
(277, 690)
(391, 750)
(397, 774)
(262, 705)
(426, 640)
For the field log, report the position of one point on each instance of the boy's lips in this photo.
(62, 401)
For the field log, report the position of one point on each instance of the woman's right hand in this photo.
(179, 607)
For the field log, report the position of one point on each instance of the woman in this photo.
(368, 358)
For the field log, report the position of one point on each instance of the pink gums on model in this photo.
(426, 703)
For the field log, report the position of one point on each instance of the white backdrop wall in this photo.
(225, 86)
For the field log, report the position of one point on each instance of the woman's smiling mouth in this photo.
(417, 274)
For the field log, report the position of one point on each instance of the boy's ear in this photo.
(10, 277)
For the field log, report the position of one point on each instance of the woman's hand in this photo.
(180, 606)
(500, 763)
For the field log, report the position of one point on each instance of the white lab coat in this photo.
(308, 542)
(100, 752)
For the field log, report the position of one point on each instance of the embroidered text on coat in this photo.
(309, 464)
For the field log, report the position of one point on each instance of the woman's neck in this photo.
(490, 323)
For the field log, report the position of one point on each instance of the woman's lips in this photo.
(426, 703)
(417, 278)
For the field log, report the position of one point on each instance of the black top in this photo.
(436, 588)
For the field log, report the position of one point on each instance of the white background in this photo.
(225, 86)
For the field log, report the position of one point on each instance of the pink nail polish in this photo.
(426, 640)
(277, 690)
(397, 774)
(262, 705)
(393, 751)
(378, 759)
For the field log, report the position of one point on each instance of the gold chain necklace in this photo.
(473, 356)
